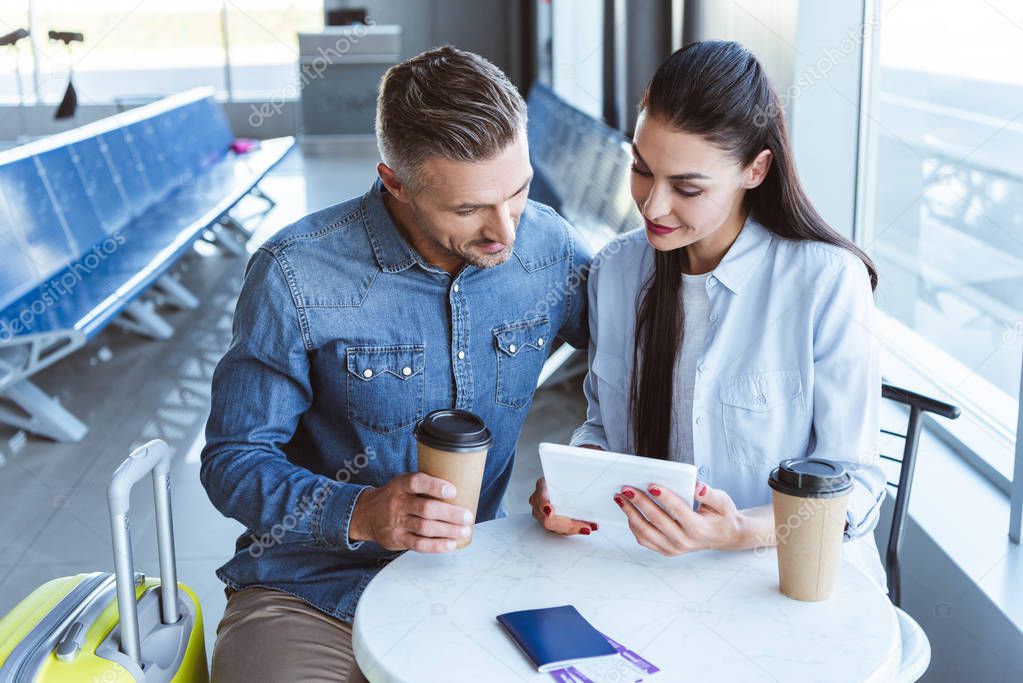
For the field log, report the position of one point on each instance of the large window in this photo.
(942, 198)
(142, 49)
(131, 49)
(577, 67)
(262, 35)
(14, 15)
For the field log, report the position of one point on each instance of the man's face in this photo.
(471, 209)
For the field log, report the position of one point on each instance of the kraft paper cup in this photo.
(453, 445)
(810, 500)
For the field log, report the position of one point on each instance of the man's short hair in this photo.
(449, 103)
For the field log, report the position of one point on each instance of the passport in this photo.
(553, 637)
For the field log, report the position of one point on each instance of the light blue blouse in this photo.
(790, 368)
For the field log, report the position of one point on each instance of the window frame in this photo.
(972, 434)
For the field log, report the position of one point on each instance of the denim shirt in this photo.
(789, 368)
(343, 338)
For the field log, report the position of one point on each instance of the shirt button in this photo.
(702, 367)
(711, 282)
(512, 348)
(539, 342)
(713, 317)
(703, 470)
(406, 371)
(461, 355)
(761, 399)
(455, 289)
(367, 373)
(699, 421)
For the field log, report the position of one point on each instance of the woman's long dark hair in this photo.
(717, 90)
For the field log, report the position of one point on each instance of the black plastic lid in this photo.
(810, 478)
(458, 431)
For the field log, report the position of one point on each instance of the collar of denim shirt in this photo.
(392, 250)
(394, 254)
(745, 254)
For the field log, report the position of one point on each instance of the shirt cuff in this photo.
(590, 436)
(863, 512)
(336, 516)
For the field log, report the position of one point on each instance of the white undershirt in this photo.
(696, 308)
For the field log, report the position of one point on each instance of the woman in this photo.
(736, 329)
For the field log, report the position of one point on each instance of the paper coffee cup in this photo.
(453, 445)
(810, 498)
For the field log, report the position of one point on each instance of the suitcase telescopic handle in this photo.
(153, 457)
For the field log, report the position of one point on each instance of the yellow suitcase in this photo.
(112, 628)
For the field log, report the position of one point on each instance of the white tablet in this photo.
(582, 482)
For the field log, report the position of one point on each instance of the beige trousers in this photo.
(267, 635)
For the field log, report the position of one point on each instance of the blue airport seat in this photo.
(144, 140)
(580, 167)
(179, 136)
(127, 170)
(64, 182)
(544, 191)
(217, 130)
(110, 202)
(92, 218)
(40, 225)
(581, 170)
(18, 272)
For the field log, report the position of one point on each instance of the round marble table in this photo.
(709, 616)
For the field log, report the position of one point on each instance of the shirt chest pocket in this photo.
(610, 372)
(763, 417)
(386, 386)
(521, 349)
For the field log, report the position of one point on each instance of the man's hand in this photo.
(400, 516)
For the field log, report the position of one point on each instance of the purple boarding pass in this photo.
(569, 675)
(573, 675)
(632, 657)
(578, 675)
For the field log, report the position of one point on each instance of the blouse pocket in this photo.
(759, 412)
(386, 386)
(521, 352)
(609, 371)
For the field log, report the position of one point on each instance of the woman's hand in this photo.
(543, 511)
(677, 529)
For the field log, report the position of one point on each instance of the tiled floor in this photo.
(130, 390)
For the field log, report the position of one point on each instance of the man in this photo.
(442, 287)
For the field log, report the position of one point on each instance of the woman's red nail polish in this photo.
(654, 490)
(547, 510)
(629, 494)
(585, 531)
(619, 501)
(703, 490)
(593, 525)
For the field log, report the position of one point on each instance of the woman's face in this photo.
(685, 187)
